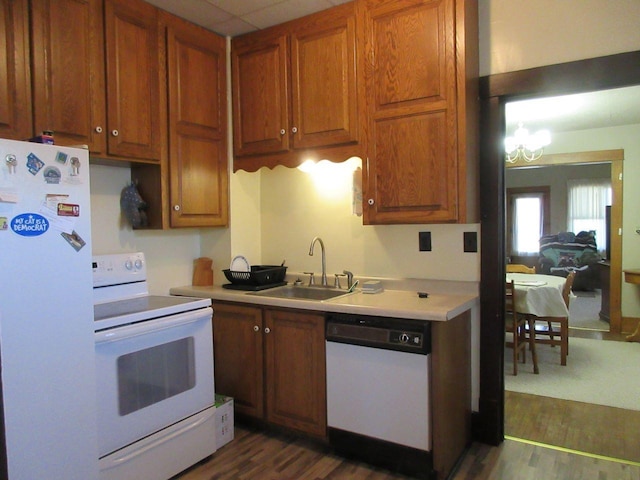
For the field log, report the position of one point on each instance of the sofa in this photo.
(568, 252)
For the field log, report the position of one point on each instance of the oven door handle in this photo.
(143, 328)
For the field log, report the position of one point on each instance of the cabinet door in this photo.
(68, 71)
(237, 351)
(413, 167)
(196, 70)
(295, 370)
(15, 82)
(260, 94)
(133, 84)
(323, 71)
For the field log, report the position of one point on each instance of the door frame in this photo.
(615, 159)
(601, 73)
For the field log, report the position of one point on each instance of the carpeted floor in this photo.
(584, 310)
(597, 371)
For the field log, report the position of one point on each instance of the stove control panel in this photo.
(118, 269)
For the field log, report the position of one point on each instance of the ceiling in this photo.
(235, 17)
(607, 108)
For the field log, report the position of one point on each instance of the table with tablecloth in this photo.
(539, 295)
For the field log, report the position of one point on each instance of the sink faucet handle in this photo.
(337, 281)
(349, 278)
(312, 279)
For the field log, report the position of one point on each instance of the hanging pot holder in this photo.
(133, 206)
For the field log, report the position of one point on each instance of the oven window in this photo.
(154, 374)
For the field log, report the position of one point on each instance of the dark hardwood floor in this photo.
(547, 439)
(259, 455)
(595, 429)
(268, 455)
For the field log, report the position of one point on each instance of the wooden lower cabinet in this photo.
(295, 370)
(238, 356)
(272, 362)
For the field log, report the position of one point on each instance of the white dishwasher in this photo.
(378, 391)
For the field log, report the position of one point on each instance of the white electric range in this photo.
(154, 364)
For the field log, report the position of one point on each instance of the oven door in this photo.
(151, 375)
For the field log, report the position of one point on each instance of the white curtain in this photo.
(527, 223)
(586, 207)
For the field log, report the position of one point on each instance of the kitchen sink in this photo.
(302, 293)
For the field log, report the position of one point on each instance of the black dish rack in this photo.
(259, 276)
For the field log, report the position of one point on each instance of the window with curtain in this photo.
(586, 205)
(528, 219)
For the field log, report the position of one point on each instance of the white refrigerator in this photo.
(46, 313)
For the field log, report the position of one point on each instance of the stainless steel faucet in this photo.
(349, 278)
(324, 259)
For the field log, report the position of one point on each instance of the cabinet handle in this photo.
(267, 330)
(176, 208)
(98, 129)
(294, 130)
(115, 133)
(256, 328)
(283, 131)
(371, 201)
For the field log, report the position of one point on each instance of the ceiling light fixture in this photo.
(524, 146)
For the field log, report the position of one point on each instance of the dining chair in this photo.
(519, 268)
(556, 328)
(516, 324)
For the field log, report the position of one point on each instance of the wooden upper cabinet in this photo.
(260, 94)
(197, 76)
(323, 69)
(416, 97)
(296, 92)
(133, 79)
(15, 82)
(68, 71)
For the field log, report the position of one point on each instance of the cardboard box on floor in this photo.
(224, 420)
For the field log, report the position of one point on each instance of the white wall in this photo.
(295, 210)
(521, 34)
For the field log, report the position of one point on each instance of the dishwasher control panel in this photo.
(380, 332)
(406, 338)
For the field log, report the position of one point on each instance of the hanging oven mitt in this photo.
(133, 206)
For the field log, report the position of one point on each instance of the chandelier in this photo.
(523, 146)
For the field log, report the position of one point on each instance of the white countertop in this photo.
(446, 300)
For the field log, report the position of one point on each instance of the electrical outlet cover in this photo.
(470, 241)
(424, 241)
